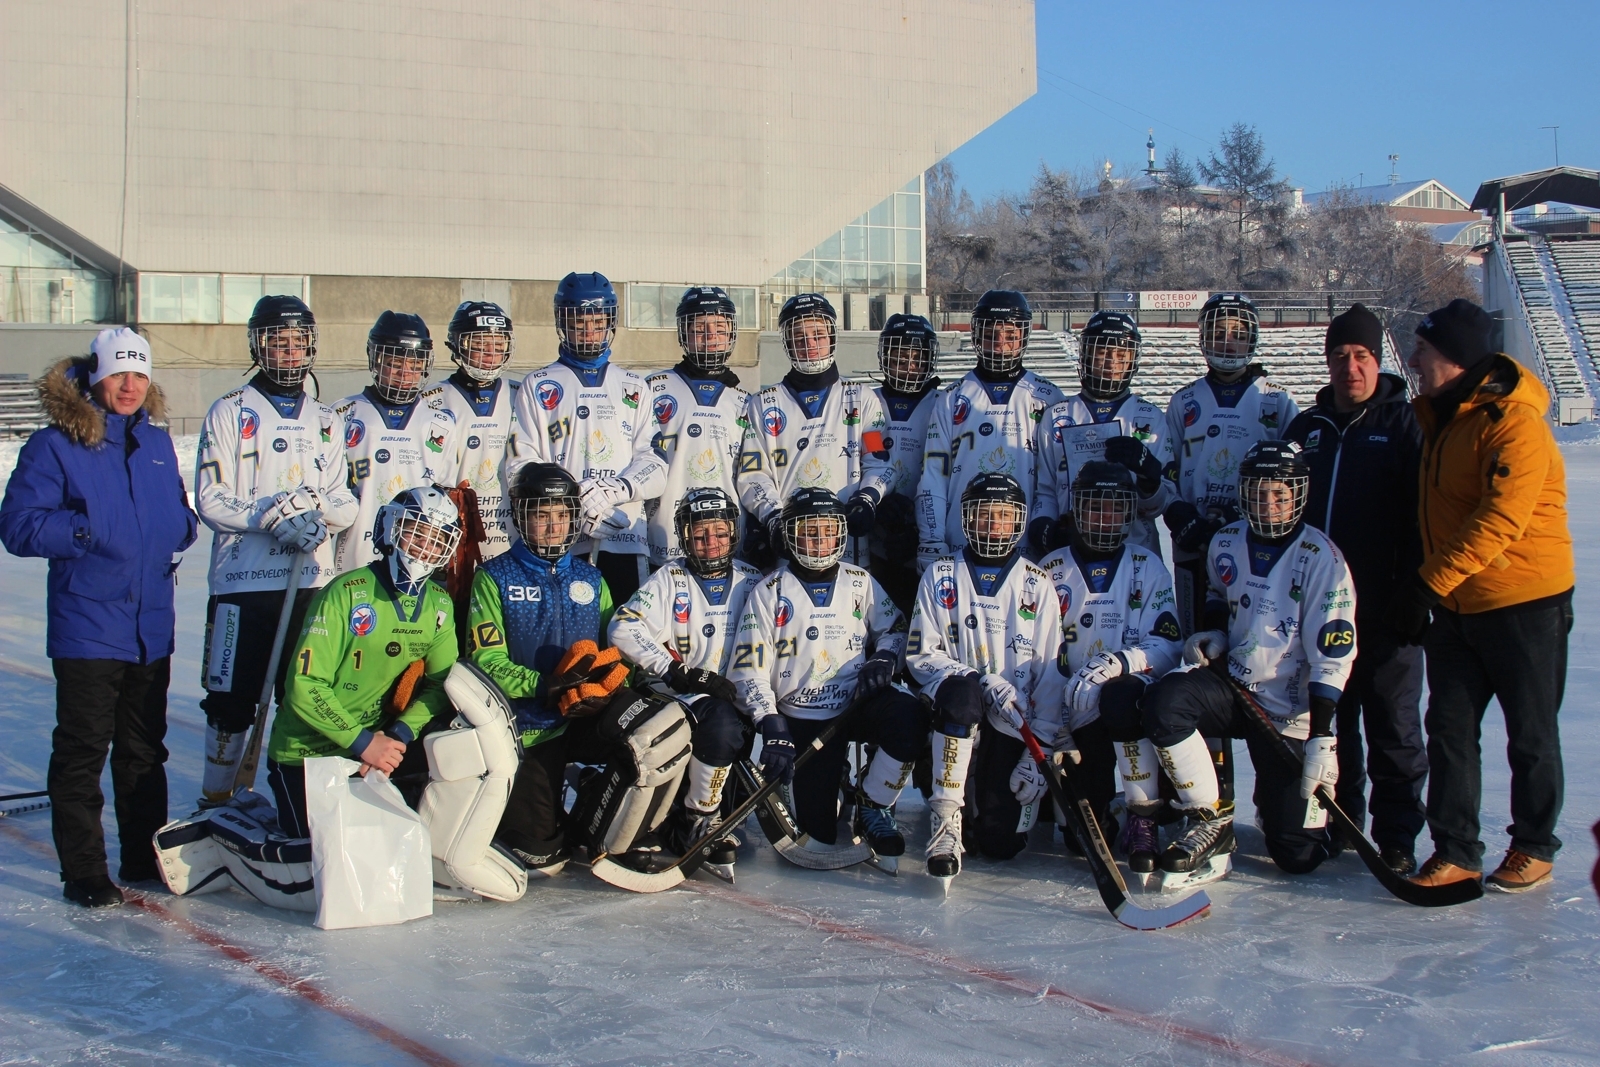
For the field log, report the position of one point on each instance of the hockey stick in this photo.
(786, 838)
(1423, 896)
(608, 870)
(23, 808)
(1107, 877)
(245, 776)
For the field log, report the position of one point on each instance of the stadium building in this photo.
(167, 164)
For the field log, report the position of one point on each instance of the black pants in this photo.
(289, 794)
(720, 734)
(535, 817)
(1384, 694)
(895, 721)
(239, 632)
(101, 705)
(1518, 655)
(1201, 700)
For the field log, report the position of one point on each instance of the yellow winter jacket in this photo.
(1493, 496)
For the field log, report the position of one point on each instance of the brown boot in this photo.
(1442, 872)
(1520, 872)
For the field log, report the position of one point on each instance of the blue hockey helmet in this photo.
(480, 339)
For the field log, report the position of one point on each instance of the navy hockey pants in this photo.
(895, 721)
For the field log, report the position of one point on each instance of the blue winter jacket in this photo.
(101, 497)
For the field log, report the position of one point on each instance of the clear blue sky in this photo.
(1333, 88)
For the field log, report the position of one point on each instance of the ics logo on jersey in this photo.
(354, 431)
(1167, 626)
(1191, 413)
(549, 395)
(986, 429)
(280, 445)
(1214, 430)
(363, 618)
(249, 421)
(665, 407)
(783, 612)
(474, 441)
(1087, 620)
(944, 591)
(1227, 570)
(959, 413)
(1336, 639)
(680, 607)
(773, 420)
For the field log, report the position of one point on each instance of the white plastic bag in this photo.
(370, 853)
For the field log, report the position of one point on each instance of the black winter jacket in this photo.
(1369, 469)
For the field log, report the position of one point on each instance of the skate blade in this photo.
(814, 856)
(944, 883)
(721, 870)
(886, 864)
(1216, 869)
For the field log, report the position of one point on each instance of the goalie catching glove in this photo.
(582, 683)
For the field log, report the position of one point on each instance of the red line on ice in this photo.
(1001, 978)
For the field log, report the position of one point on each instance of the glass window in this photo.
(239, 295)
(908, 246)
(655, 307)
(868, 250)
(831, 248)
(855, 274)
(180, 298)
(881, 244)
(855, 243)
(882, 214)
(881, 276)
(40, 282)
(644, 307)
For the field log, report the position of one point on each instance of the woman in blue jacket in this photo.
(99, 494)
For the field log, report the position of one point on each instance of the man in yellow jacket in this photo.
(1497, 575)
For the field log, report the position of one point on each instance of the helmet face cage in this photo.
(482, 354)
(697, 515)
(419, 531)
(992, 527)
(707, 339)
(285, 354)
(809, 340)
(1228, 335)
(586, 330)
(1103, 516)
(1000, 341)
(547, 524)
(1106, 365)
(1273, 503)
(398, 371)
(815, 541)
(906, 362)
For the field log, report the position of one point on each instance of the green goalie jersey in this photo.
(360, 635)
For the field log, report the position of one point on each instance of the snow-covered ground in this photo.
(1021, 964)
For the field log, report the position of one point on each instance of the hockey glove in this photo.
(877, 674)
(1132, 454)
(929, 553)
(699, 680)
(775, 535)
(777, 748)
(299, 501)
(859, 511)
(600, 496)
(959, 702)
(1411, 611)
(1205, 646)
(1040, 535)
(305, 532)
(1027, 780)
(1321, 767)
(582, 683)
(1191, 531)
(1083, 691)
(404, 690)
(1001, 701)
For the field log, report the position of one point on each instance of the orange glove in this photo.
(585, 679)
(404, 689)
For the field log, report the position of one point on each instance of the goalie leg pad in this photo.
(634, 794)
(231, 846)
(470, 768)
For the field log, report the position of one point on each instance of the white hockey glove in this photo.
(600, 496)
(927, 554)
(1064, 748)
(303, 532)
(1321, 767)
(1027, 780)
(287, 505)
(1205, 646)
(1001, 701)
(1083, 691)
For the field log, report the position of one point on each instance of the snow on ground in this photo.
(1020, 964)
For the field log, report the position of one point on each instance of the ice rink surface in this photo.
(1021, 964)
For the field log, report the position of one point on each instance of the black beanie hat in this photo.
(1357, 326)
(1459, 330)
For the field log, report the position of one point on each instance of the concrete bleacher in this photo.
(1577, 262)
(1538, 286)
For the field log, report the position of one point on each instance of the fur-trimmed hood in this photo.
(64, 395)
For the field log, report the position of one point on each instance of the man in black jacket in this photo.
(1363, 445)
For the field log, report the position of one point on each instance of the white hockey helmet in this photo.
(418, 532)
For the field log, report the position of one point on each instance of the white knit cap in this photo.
(119, 349)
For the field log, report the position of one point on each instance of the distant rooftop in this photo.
(1566, 185)
(1429, 193)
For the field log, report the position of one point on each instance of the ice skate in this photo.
(877, 825)
(1141, 843)
(691, 826)
(1203, 854)
(944, 841)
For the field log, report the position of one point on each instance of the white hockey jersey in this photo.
(1121, 604)
(698, 426)
(251, 449)
(1211, 426)
(1291, 619)
(1075, 432)
(977, 428)
(678, 615)
(830, 437)
(475, 452)
(591, 423)
(801, 645)
(905, 429)
(993, 620)
(388, 448)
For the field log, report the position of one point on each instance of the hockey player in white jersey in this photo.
(986, 423)
(982, 646)
(390, 438)
(270, 481)
(812, 430)
(1119, 632)
(819, 638)
(696, 414)
(680, 626)
(1211, 423)
(589, 417)
(1105, 420)
(907, 350)
(478, 402)
(1279, 622)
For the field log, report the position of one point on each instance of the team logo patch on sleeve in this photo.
(363, 619)
(548, 395)
(1336, 639)
(1227, 569)
(680, 607)
(1191, 413)
(665, 407)
(249, 422)
(783, 612)
(1166, 626)
(959, 413)
(773, 420)
(944, 591)
(354, 431)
